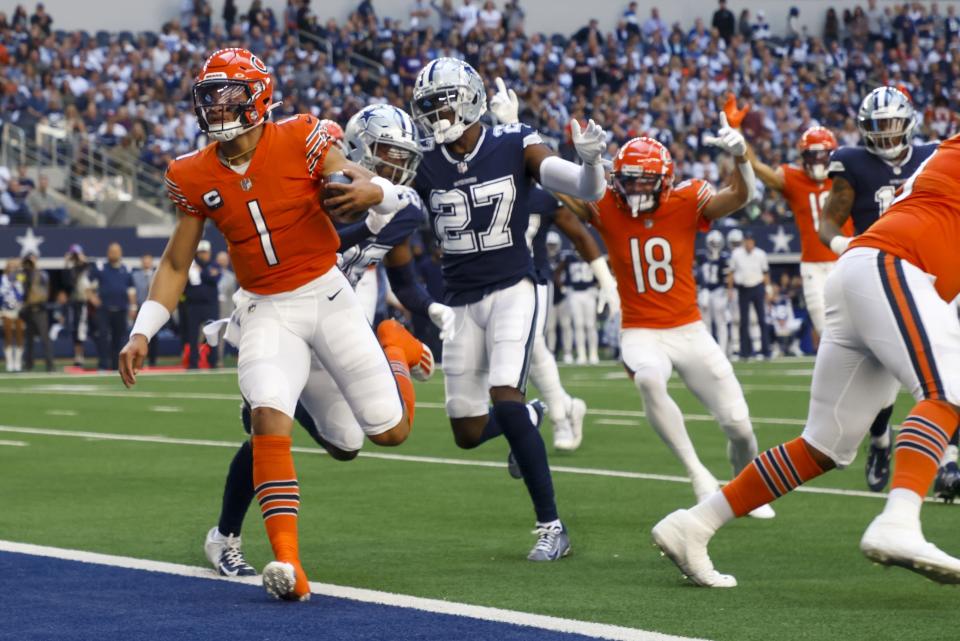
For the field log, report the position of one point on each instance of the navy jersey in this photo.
(370, 251)
(577, 275)
(543, 212)
(478, 210)
(712, 271)
(874, 181)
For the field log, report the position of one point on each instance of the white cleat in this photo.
(562, 435)
(762, 512)
(683, 538)
(891, 542)
(226, 555)
(704, 485)
(280, 579)
(574, 436)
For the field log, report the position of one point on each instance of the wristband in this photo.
(152, 317)
(839, 244)
(392, 202)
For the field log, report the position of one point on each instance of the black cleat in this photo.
(947, 484)
(878, 466)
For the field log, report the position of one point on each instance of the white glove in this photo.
(608, 296)
(590, 143)
(839, 243)
(444, 318)
(727, 139)
(504, 104)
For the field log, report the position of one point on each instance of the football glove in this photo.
(728, 139)
(735, 116)
(444, 318)
(504, 104)
(590, 143)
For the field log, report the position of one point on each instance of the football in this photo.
(343, 179)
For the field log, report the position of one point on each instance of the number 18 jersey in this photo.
(479, 212)
(652, 255)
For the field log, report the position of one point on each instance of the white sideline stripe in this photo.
(587, 471)
(429, 406)
(28, 376)
(615, 421)
(15, 443)
(497, 615)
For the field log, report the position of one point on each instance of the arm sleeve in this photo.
(408, 290)
(353, 234)
(586, 182)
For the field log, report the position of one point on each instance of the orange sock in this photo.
(771, 475)
(401, 372)
(393, 334)
(922, 439)
(277, 491)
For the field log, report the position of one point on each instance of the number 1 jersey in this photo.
(479, 212)
(653, 254)
(278, 235)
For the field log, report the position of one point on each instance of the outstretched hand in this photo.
(734, 115)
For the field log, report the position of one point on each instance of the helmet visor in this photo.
(394, 163)
(221, 102)
(434, 107)
(884, 134)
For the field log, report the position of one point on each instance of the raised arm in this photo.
(165, 291)
(835, 213)
(741, 188)
(772, 178)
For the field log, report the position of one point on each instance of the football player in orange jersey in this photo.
(261, 184)
(889, 323)
(650, 227)
(805, 189)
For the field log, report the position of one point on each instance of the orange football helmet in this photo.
(335, 131)
(233, 94)
(643, 174)
(816, 145)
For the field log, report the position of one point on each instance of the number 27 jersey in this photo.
(479, 212)
(653, 254)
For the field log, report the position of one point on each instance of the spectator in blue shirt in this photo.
(115, 300)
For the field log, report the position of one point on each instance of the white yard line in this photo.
(554, 624)
(84, 391)
(14, 443)
(565, 469)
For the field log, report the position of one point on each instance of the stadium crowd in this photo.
(130, 93)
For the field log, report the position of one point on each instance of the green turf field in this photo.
(428, 527)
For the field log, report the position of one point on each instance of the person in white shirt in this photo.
(467, 14)
(490, 18)
(750, 274)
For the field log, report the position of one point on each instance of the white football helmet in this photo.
(734, 238)
(886, 121)
(553, 243)
(715, 241)
(384, 136)
(448, 97)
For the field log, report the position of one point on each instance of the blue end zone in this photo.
(49, 599)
